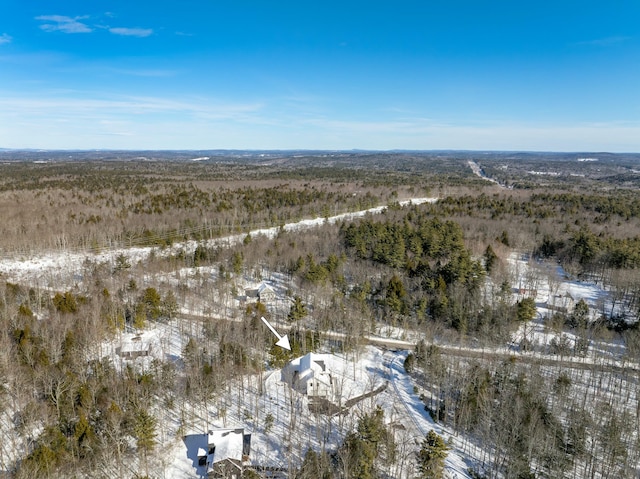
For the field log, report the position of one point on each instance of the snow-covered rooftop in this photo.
(228, 444)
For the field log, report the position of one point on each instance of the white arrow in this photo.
(283, 341)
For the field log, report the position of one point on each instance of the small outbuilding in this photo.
(563, 303)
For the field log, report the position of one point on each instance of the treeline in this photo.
(86, 213)
(409, 267)
(595, 237)
(593, 252)
(404, 267)
(621, 205)
(418, 244)
(102, 204)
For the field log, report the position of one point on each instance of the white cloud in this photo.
(132, 32)
(72, 119)
(605, 42)
(5, 38)
(123, 107)
(60, 23)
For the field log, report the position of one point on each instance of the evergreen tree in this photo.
(152, 302)
(169, 306)
(580, 315)
(409, 363)
(144, 431)
(369, 442)
(431, 457)
(504, 238)
(396, 294)
(65, 303)
(237, 262)
(490, 259)
(84, 436)
(298, 309)
(200, 255)
(526, 310)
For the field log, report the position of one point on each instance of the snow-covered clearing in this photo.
(554, 290)
(295, 429)
(249, 401)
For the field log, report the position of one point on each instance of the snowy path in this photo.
(420, 419)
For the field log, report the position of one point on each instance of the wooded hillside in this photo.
(437, 271)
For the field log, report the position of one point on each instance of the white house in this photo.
(561, 302)
(266, 294)
(133, 346)
(310, 375)
(223, 452)
(263, 293)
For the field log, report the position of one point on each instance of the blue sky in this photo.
(460, 74)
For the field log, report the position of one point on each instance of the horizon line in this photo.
(333, 150)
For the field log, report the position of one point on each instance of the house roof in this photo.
(261, 289)
(228, 444)
(312, 366)
(265, 288)
(130, 342)
(312, 361)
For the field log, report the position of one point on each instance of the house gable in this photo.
(222, 453)
(263, 293)
(309, 375)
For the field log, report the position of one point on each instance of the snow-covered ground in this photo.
(160, 341)
(248, 401)
(554, 290)
(295, 429)
(456, 465)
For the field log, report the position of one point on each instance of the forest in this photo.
(168, 244)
